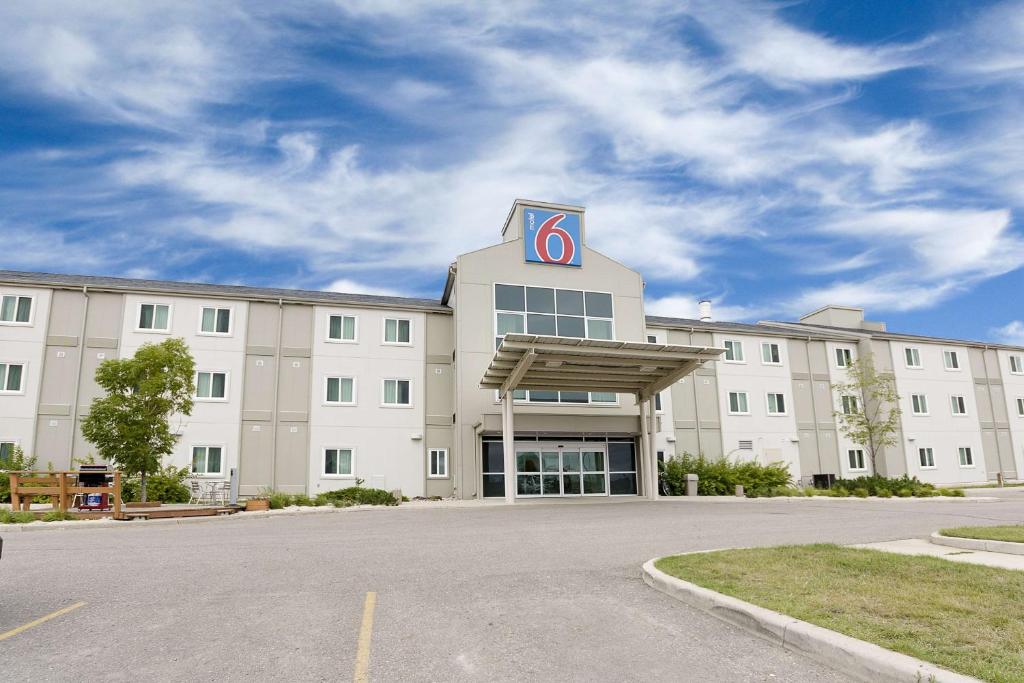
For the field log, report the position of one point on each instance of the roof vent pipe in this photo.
(704, 310)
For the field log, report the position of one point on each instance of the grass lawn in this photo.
(963, 617)
(1013, 533)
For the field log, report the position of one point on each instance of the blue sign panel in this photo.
(552, 237)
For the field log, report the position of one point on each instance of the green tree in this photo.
(130, 425)
(873, 422)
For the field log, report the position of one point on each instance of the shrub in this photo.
(357, 495)
(883, 493)
(876, 483)
(17, 462)
(720, 477)
(952, 493)
(904, 493)
(925, 492)
(279, 500)
(861, 492)
(343, 503)
(302, 500)
(10, 517)
(58, 516)
(840, 492)
(166, 485)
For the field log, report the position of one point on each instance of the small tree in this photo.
(130, 426)
(873, 423)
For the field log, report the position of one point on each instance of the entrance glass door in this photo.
(561, 470)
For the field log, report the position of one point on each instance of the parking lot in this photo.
(526, 592)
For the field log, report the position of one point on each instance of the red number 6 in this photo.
(547, 229)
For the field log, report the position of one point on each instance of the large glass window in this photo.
(493, 468)
(621, 468)
(556, 312)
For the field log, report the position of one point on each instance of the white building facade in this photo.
(306, 392)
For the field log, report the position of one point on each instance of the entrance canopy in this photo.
(527, 361)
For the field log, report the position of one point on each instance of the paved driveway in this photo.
(530, 592)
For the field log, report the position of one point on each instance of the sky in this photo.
(772, 156)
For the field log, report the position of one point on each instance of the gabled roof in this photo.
(118, 284)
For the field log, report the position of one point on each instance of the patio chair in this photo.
(220, 492)
(198, 494)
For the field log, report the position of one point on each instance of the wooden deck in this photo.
(161, 512)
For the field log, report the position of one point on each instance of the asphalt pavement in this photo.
(476, 593)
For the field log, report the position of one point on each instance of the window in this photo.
(397, 331)
(651, 339)
(338, 462)
(734, 351)
(851, 405)
(1020, 407)
(776, 404)
(950, 360)
(6, 451)
(343, 328)
(966, 457)
(396, 392)
(770, 354)
(843, 358)
(1017, 365)
(211, 385)
(558, 312)
(10, 377)
(215, 321)
(438, 463)
(738, 403)
(926, 456)
(154, 317)
(919, 404)
(856, 458)
(340, 391)
(958, 405)
(657, 402)
(913, 357)
(15, 309)
(207, 460)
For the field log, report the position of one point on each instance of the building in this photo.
(306, 391)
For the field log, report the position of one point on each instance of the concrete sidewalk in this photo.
(918, 546)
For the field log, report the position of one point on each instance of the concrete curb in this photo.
(1005, 547)
(856, 658)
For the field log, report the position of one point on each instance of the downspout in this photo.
(78, 377)
(277, 382)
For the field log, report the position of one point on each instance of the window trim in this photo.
(953, 354)
(1020, 406)
(931, 453)
(852, 398)
(953, 399)
(430, 452)
(231, 321)
(846, 354)
(778, 347)
(917, 352)
(728, 402)
(768, 404)
(743, 355)
(355, 326)
(863, 460)
(340, 403)
(227, 387)
(1020, 363)
(383, 382)
(384, 331)
(970, 452)
(323, 462)
(24, 376)
(14, 442)
(31, 310)
(211, 475)
(154, 330)
(926, 412)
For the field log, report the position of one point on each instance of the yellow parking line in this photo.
(365, 632)
(41, 620)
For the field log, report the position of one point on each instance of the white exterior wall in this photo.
(665, 436)
(774, 436)
(940, 430)
(24, 344)
(387, 442)
(1013, 385)
(213, 422)
(837, 375)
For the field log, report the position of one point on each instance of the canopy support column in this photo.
(652, 449)
(508, 441)
(645, 448)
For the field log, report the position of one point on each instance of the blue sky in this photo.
(773, 156)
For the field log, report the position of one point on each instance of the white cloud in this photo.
(1010, 333)
(685, 306)
(350, 286)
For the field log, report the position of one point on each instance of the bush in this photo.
(876, 483)
(17, 462)
(861, 492)
(840, 492)
(952, 493)
(925, 493)
(904, 493)
(720, 477)
(166, 485)
(279, 500)
(58, 516)
(357, 495)
(883, 493)
(302, 499)
(9, 517)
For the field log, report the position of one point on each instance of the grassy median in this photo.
(966, 618)
(1012, 533)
